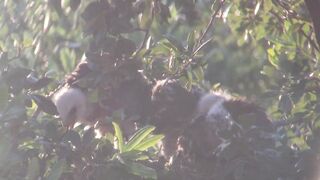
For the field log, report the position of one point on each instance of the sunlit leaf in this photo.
(256, 9)
(46, 22)
(149, 142)
(119, 136)
(226, 12)
(273, 58)
(139, 136)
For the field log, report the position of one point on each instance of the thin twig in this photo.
(213, 16)
(147, 32)
(183, 69)
(200, 45)
(312, 42)
(277, 16)
(146, 35)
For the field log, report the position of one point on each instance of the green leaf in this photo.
(226, 12)
(57, 170)
(285, 103)
(133, 155)
(46, 22)
(260, 32)
(168, 45)
(268, 70)
(256, 9)
(198, 73)
(146, 17)
(68, 59)
(119, 136)
(191, 41)
(175, 43)
(287, 25)
(149, 142)
(159, 49)
(190, 76)
(140, 135)
(273, 58)
(27, 39)
(141, 170)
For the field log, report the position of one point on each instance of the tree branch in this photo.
(200, 43)
(312, 42)
(313, 8)
(147, 32)
(211, 22)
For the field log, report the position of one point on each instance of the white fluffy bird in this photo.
(72, 105)
(211, 105)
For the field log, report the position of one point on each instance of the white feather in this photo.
(207, 101)
(67, 99)
(211, 106)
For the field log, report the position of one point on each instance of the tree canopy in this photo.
(267, 51)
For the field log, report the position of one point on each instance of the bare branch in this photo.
(211, 22)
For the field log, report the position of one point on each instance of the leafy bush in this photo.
(265, 50)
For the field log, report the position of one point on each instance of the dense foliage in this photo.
(264, 50)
